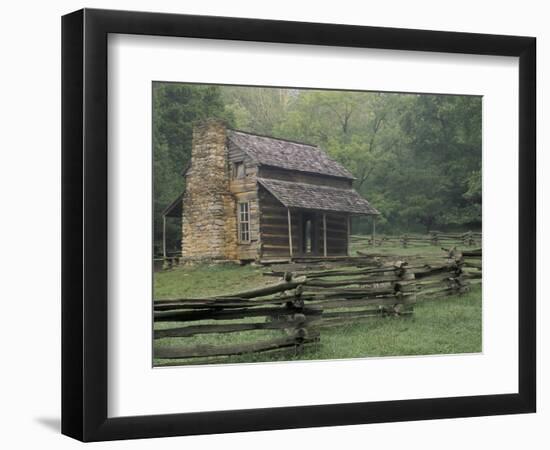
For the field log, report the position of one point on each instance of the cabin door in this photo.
(309, 239)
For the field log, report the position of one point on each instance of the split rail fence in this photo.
(311, 295)
(437, 238)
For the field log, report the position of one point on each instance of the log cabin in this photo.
(250, 197)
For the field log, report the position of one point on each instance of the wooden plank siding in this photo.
(274, 227)
(303, 177)
(274, 230)
(337, 234)
(245, 190)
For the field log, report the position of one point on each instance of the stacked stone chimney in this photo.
(209, 228)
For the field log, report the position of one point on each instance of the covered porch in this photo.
(317, 219)
(168, 255)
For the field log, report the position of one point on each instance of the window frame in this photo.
(236, 166)
(241, 222)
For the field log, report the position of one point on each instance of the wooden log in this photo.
(336, 234)
(421, 287)
(291, 350)
(304, 268)
(336, 240)
(216, 304)
(351, 292)
(354, 281)
(184, 316)
(270, 262)
(193, 330)
(241, 298)
(434, 271)
(471, 275)
(473, 252)
(363, 254)
(340, 259)
(473, 258)
(274, 219)
(361, 303)
(339, 222)
(270, 289)
(352, 315)
(338, 322)
(280, 242)
(198, 300)
(343, 272)
(275, 210)
(204, 351)
(472, 264)
(436, 292)
(275, 228)
(272, 249)
(275, 253)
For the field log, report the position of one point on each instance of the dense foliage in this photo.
(416, 158)
(176, 108)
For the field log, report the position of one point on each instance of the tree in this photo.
(259, 109)
(412, 155)
(416, 158)
(176, 108)
(444, 138)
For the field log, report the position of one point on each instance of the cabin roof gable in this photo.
(286, 154)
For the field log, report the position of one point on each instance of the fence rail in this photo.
(310, 296)
(437, 238)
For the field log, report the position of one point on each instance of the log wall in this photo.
(245, 189)
(274, 230)
(337, 234)
(303, 177)
(274, 227)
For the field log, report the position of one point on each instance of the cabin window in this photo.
(244, 222)
(238, 170)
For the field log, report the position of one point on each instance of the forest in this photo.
(415, 157)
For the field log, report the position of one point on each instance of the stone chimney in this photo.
(209, 228)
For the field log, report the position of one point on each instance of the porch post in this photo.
(373, 231)
(289, 232)
(164, 236)
(325, 234)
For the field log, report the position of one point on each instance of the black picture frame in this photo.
(84, 224)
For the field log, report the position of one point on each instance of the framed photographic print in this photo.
(274, 224)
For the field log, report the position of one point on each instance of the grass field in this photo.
(206, 280)
(446, 325)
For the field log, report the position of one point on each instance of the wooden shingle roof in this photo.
(315, 197)
(286, 154)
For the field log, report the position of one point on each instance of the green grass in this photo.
(446, 325)
(207, 280)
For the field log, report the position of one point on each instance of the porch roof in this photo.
(175, 208)
(314, 197)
